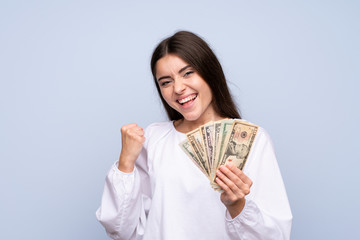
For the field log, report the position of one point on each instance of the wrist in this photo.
(236, 208)
(125, 166)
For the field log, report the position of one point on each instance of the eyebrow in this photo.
(180, 71)
(184, 68)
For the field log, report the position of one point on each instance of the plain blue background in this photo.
(73, 72)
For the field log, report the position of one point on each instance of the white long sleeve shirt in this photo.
(167, 197)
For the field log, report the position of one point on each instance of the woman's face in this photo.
(184, 89)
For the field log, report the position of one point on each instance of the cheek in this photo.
(209, 94)
(166, 95)
(206, 88)
(163, 93)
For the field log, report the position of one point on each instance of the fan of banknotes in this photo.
(218, 143)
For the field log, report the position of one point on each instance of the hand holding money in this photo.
(236, 185)
(220, 143)
(132, 138)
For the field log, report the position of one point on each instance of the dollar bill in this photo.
(224, 131)
(185, 145)
(218, 143)
(217, 127)
(209, 142)
(239, 143)
(196, 142)
(204, 140)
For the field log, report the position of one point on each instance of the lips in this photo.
(187, 99)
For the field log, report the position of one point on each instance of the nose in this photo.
(179, 86)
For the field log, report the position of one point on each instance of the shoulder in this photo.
(263, 148)
(261, 134)
(156, 131)
(262, 139)
(262, 154)
(159, 127)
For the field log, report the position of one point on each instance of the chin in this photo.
(191, 117)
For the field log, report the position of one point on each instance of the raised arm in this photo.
(124, 203)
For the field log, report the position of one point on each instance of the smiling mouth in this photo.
(187, 99)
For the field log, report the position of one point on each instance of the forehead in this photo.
(169, 64)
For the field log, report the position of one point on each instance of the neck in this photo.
(184, 126)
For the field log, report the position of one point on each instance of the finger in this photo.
(229, 183)
(224, 187)
(138, 133)
(129, 126)
(141, 139)
(227, 170)
(239, 174)
(239, 188)
(228, 196)
(231, 176)
(238, 191)
(129, 136)
(138, 136)
(139, 130)
(127, 130)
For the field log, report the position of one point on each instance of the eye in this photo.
(188, 73)
(164, 83)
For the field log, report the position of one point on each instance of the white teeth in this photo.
(184, 100)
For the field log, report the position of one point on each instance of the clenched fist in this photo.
(132, 137)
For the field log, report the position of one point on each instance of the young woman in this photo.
(155, 192)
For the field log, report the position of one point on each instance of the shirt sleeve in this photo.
(125, 201)
(267, 213)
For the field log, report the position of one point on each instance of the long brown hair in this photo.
(196, 52)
